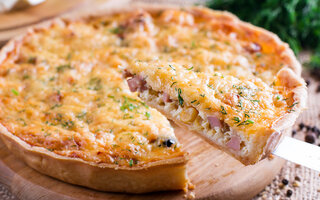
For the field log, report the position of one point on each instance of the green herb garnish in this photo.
(95, 84)
(190, 68)
(236, 119)
(193, 45)
(256, 100)
(180, 99)
(295, 103)
(68, 124)
(62, 68)
(32, 60)
(172, 67)
(246, 122)
(223, 111)
(117, 30)
(81, 115)
(15, 92)
(173, 83)
(210, 86)
(55, 106)
(148, 115)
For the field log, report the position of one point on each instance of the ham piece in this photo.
(214, 121)
(137, 83)
(166, 97)
(234, 143)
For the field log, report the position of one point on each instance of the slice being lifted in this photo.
(244, 117)
(237, 85)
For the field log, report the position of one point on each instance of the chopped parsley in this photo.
(236, 119)
(15, 92)
(148, 115)
(56, 106)
(47, 134)
(193, 101)
(62, 68)
(127, 106)
(32, 60)
(295, 103)
(81, 115)
(95, 84)
(23, 121)
(202, 95)
(130, 162)
(68, 124)
(180, 98)
(117, 30)
(144, 104)
(223, 111)
(173, 83)
(246, 122)
(190, 68)
(210, 86)
(26, 76)
(69, 56)
(240, 104)
(172, 67)
(193, 45)
(255, 100)
(249, 121)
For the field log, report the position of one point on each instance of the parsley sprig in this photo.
(180, 99)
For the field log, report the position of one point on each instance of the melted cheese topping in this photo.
(57, 93)
(248, 105)
(61, 89)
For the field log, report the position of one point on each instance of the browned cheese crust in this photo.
(159, 169)
(232, 72)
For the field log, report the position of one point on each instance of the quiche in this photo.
(66, 111)
(236, 85)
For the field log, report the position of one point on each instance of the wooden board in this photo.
(215, 174)
(16, 22)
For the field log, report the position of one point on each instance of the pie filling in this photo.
(196, 120)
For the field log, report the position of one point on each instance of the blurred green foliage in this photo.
(296, 22)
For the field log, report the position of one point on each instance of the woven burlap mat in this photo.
(303, 182)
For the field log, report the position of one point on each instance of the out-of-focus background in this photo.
(296, 22)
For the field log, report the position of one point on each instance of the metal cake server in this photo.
(299, 152)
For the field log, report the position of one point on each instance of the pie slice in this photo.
(236, 85)
(244, 117)
(69, 116)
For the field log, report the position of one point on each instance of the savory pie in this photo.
(66, 110)
(235, 84)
